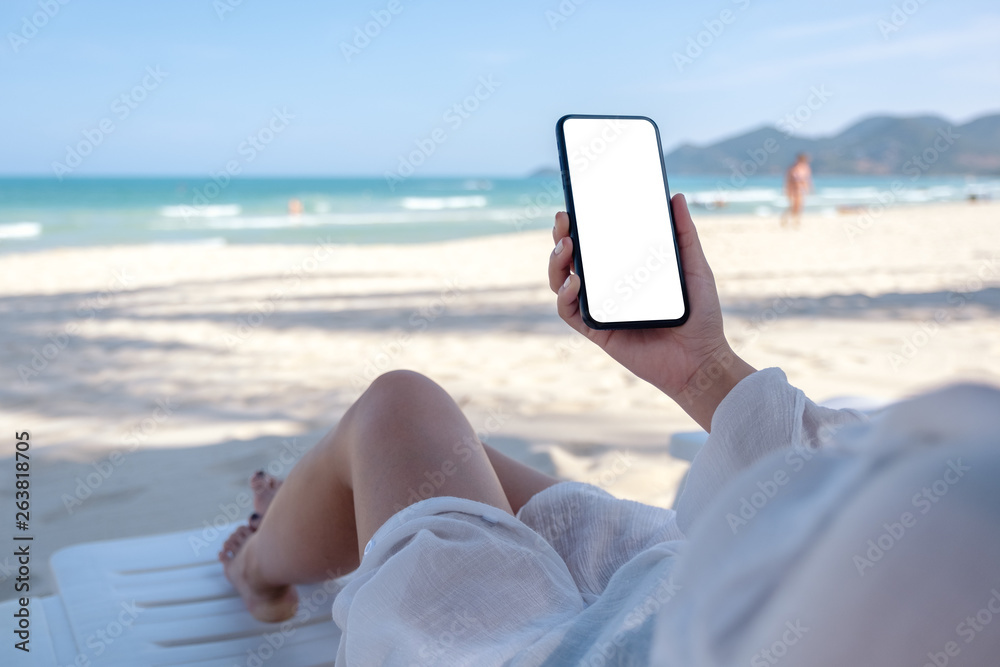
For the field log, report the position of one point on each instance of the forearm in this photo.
(719, 373)
(764, 415)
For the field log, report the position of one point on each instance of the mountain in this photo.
(887, 145)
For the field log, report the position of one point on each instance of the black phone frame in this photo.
(574, 234)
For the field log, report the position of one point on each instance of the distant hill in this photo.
(877, 145)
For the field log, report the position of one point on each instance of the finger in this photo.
(561, 228)
(568, 303)
(560, 261)
(692, 254)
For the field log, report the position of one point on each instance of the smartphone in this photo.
(620, 220)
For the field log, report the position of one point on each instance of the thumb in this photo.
(693, 258)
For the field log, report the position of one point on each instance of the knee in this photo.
(398, 389)
(400, 380)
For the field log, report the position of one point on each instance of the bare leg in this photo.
(519, 482)
(403, 440)
(797, 210)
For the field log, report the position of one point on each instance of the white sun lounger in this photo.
(163, 600)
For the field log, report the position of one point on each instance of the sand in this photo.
(154, 379)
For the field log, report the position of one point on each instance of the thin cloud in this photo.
(803, 30)
(946, 43)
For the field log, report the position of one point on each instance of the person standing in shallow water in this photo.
(798, 183)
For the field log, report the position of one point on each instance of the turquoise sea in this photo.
(37, 213)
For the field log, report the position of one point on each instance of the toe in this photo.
(258, 480)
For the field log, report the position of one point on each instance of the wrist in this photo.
(719, 372)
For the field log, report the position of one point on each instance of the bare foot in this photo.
(270, 604)
(264, 489)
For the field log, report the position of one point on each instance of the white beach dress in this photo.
(582, 578)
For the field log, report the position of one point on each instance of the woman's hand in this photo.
(692, 363)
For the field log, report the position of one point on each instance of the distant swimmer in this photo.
(294, 207)
(798, 182)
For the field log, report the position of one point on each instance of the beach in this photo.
(154, 379)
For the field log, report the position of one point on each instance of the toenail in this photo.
(259, 474)
(255, 517)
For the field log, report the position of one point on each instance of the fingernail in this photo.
(566, 283)
(559, 246)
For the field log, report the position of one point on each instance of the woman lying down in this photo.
(804, 535)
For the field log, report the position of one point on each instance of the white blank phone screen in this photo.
(626, 242)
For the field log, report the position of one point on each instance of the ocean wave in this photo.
(265, 222)
(20, 230)
(211, 242)
(440, 203)
(209, 211)
(865, 193)
(868, 194)
(455, 216)
(746, 196)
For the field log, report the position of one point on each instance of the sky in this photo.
(354, 88)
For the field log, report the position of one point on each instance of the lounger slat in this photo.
(164, 600)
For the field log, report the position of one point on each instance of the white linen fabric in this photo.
(881, 549)
(756, 565)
